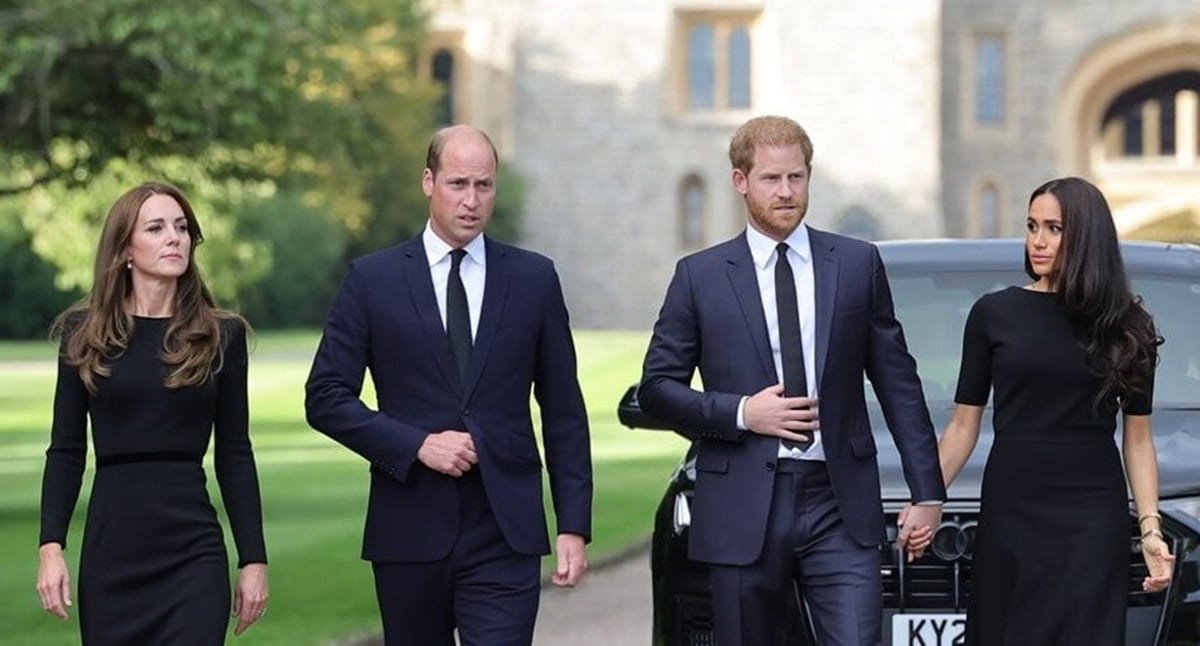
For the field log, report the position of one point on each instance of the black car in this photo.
(934, 284)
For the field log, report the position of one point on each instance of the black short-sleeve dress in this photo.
(1052, 550)
(153, 567)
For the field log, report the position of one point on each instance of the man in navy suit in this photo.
(457, 329)
(782, 323)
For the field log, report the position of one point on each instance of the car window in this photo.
(933, 307)
(1175, 304)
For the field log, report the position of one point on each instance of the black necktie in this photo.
(791, 345)
(458, 316)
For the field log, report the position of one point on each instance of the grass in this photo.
(314, 491)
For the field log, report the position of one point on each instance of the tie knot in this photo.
(456, 257)
(782, 248)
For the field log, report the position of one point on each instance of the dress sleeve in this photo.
(67, 454)
(975, 370)
(1142, 403)
(234, 458)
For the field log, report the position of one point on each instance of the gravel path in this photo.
(613, 606)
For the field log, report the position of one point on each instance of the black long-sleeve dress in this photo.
(1052, 546)
(153, 567)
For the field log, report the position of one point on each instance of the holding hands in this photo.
(916, 524)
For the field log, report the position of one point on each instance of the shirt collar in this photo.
(762, 248)
(436, 249)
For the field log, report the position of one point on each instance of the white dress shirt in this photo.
(762, 250)
(473, 271)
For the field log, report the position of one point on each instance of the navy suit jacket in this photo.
(712, 320)
(385, 318)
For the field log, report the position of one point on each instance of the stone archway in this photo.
(1151, 198)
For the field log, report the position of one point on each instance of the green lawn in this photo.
(314, 490)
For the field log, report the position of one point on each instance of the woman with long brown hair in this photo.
(1061, 357)
(160, 370)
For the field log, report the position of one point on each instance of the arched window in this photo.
(856, 222)
(988, 210)
(692, 206)
(1145, 120)
(442, 70)
(990, 80)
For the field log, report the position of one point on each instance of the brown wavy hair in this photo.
(97, 330)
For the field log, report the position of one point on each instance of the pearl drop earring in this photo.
(129, 264)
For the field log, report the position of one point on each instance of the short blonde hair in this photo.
(766, 131)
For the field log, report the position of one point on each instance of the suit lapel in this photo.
(745, 289)
(825, 279)
(495, 295)
(420, 289)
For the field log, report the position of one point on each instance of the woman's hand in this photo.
(53, 582)
(250, 596)
(918, 540)
(1159, 561)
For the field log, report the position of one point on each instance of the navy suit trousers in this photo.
(808, 549)
(483, 589)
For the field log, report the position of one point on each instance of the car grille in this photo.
(932, 581)
(941, 581)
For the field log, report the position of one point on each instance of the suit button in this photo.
(770, 466)
(467, 413)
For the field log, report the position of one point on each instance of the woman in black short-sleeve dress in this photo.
(1061, 357)
(159, 371)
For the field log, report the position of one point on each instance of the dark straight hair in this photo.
(1114, 328)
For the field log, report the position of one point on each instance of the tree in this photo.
(229, 98)
(28, 280)
(241, 103)
(64, 222)
(84, 83)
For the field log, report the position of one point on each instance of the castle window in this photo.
(692, 207)
(715, 60)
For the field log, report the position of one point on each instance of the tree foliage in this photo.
(289, 107)
(28, 280)
(305, 249)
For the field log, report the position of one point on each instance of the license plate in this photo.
(928, 630)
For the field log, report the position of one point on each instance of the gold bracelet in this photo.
(1145, 517)
(1152, 532)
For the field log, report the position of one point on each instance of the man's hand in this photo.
(768, 412)
(572, 560)
(448, 452)
(917, 523)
